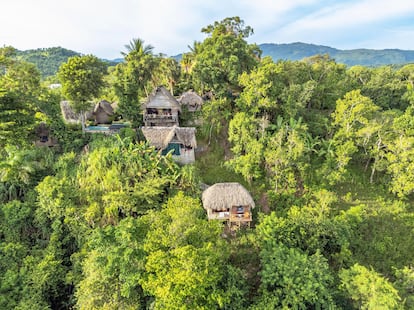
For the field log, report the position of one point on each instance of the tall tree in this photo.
(137, 47)
(223, 56)
(186, 261)
(114, 267)
(82, 81)
(19, 91)
(368, 289)
(133, 78)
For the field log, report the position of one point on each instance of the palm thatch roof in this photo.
(192, 100)
(160, 137)
(161, 98)
(104, 106)
(69, 115)
(114, 106)
(222, 196)
(42, 129)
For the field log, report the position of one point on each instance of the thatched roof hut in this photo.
(161, 98)
(103, 112)
(223, 196)
(160, 137)
(230, 203)
(191, 100)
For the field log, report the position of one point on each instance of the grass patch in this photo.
(358, 190)
(210, 164)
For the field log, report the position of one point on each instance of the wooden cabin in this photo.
(181, 141)
(103, 112)
(230, 203)
(191, 100)
(161, 109)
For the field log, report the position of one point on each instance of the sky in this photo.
(104, 27)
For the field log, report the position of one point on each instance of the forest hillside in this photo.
(48, 60)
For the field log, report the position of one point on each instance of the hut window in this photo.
(223, 214)
(174, 147)
(44, 138)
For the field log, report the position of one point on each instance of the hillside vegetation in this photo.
(363, 57)
(108, 222)
(48, 60)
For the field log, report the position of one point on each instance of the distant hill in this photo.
(364, 57)
(48, 60)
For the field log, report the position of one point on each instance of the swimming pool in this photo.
(97, 128)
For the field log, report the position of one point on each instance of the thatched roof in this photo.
(222, 196)
(161, 136)
(69, 115)
(42, 129)
(161, 98)
(104, 106)
(114, 106)
(191, 99)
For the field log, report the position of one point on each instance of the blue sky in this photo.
(103, 27)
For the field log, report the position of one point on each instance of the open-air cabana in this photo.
(228, 202)
(161, 109)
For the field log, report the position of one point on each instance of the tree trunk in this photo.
(83, 121)
(371, 178)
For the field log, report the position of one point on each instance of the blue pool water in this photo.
(97, 128)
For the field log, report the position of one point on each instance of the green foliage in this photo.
(379, 233)
(311, 229)
(186, 257)
(82, 80)
(19, 88)
(368, 289)
(113, 181)
(223, 56)
(123, 180)
(113, 267)
(244, 133)
(405, 285)
(292, 279)
(104, 222)
(47, 60)
(21, 169)
(286, 157)
(362, 57)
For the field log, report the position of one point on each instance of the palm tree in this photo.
(20, 167)
(136, 46)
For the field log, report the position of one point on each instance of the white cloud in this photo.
(103, 27)
(335, 21)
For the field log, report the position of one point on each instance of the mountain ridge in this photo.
(350, 57)
(48, 60)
